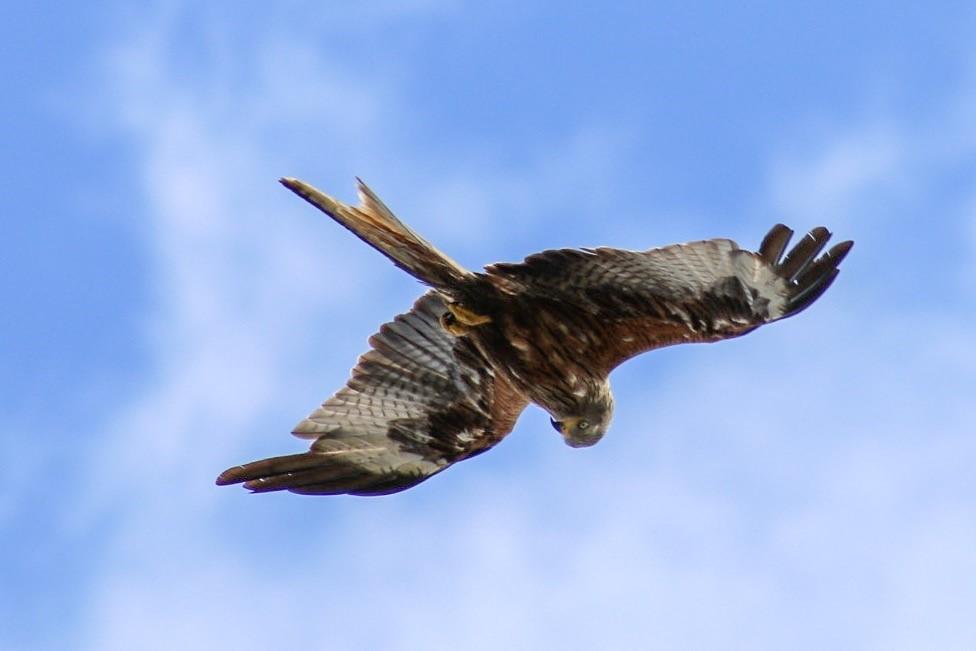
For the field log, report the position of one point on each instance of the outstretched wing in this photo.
(419, 401)
(621, 303)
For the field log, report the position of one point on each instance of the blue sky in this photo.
(172, 311)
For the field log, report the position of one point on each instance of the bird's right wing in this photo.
(420, 400)
(617, 303)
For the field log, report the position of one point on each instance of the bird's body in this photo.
(448, 379)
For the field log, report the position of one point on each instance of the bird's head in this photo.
(588, 420)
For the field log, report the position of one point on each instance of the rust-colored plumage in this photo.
(448, 379)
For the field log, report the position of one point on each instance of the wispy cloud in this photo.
(242, 294)
(798, 510)
(837, 176)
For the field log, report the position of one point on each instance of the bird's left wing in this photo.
(616, 303)
(420, 400)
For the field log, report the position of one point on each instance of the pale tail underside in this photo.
(374, 223)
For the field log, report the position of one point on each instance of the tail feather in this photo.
(374, 223)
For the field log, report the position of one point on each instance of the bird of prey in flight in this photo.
(448, 379)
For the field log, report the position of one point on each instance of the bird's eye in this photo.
(556, 425)
(582, 424)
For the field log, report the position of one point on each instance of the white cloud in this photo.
(562, 184)
(796, 510)
(240, 294)
(884, 172)
(837, 177)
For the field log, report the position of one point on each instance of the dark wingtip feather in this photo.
(775, 243)
(840, 251)
(828, 261)
(267, 468)
(806, 298)
(338, 477)
(314, 473)
(230, 476)
(804, 253)
(815, 278)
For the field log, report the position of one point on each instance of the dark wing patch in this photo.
(634, 301)
(419, 401)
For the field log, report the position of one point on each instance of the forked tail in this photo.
(375, 224)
